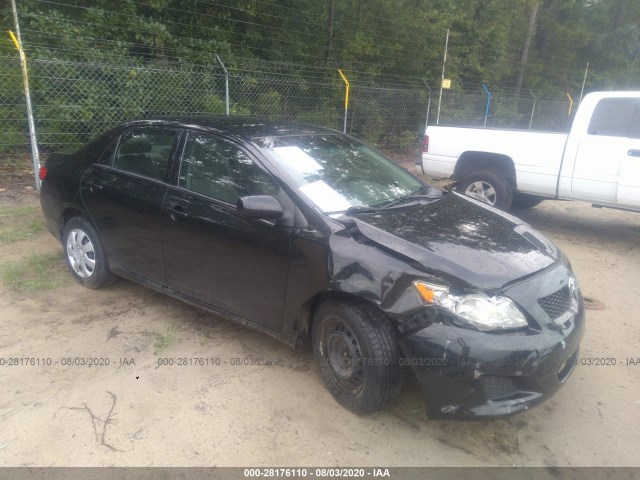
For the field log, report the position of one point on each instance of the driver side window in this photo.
(220, 170)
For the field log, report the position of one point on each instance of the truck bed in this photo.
(538, 155)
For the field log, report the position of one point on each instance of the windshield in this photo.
(337, 173)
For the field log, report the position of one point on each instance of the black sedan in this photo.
(309, 235)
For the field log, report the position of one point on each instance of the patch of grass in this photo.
(163, 340)
(34, 272)
(10, 236)
(21, 211)
(204, 334)
(19, 223)
(35, 225)
(11, 275)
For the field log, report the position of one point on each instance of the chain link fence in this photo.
(74, 102)
(286, 97)
(15, 151)
(502, 110)
(390, 117)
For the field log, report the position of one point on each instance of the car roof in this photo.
(244, 127)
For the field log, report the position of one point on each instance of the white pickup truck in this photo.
(598, 161)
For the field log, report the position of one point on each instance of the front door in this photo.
(211, 253)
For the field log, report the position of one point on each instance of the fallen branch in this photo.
(95, 422)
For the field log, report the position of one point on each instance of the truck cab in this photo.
(598, 161)
(601, 162)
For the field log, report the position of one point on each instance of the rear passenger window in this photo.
(145, 152)
(614, 117)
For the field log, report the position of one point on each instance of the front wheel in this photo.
(358, 355)
(84, 254)
(489, 187)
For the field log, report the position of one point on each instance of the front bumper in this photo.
(465, 373)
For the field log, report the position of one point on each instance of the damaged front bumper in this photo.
(465, 373)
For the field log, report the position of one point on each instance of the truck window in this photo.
(615, 117)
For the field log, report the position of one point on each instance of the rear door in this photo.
(211, 253)
(123, 194)
(608, 157)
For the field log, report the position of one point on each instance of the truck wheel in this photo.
(488, 187)
(524, 201)
(358, 355)
(84, 254)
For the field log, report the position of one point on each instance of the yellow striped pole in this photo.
(346, 100)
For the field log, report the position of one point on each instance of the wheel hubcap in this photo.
(344, 356)
(80, 253)
(482, 191)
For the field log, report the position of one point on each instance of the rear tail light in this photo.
(42, 174)
(425, 144)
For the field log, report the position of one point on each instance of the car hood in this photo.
(461, 240)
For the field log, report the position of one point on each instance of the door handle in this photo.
(634, 153)
(177, 211)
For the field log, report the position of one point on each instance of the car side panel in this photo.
(125, 208)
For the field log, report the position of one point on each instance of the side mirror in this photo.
(259, 206)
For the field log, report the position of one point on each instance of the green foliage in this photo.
(211, 104)
(269, 104)
(372, 37)
(96, 63)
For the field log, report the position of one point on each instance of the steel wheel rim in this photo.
(81, 253)
(343, 355)
(483, 191)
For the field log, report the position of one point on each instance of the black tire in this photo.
(524, 201)
(357, 352)
(489, 187)
(84, 254)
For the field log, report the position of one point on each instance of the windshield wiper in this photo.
(414, 197)
(356, 209)
(432, 194)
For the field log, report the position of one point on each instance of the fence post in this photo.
(533, 109)
(444, 62)
(226, 84)
(584, 81)
(35, 155)
(486, 108)
(346, 100)
(428, 102)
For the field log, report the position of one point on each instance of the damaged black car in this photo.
(311, 236)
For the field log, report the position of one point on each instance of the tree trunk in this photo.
(330, 16)
(618, 22)
(525, 49)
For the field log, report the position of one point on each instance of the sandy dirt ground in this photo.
(264, 404)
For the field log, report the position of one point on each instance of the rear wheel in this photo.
(489, 187)
(358, 355)
(84, 254)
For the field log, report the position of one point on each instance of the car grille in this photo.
(557, 303)
(496, 388)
